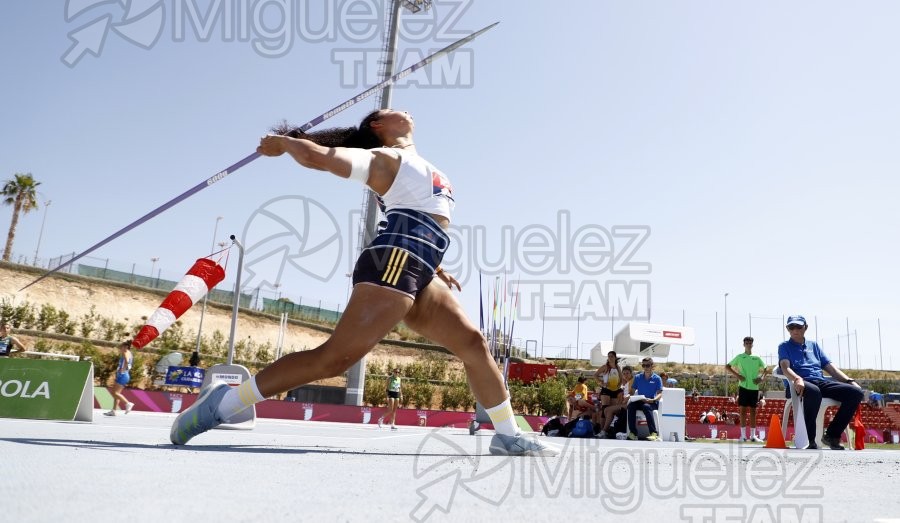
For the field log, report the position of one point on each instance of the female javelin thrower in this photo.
(394, 279)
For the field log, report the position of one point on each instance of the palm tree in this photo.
(21, 193)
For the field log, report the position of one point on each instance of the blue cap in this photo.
(796, 320)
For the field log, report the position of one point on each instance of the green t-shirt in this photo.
(748, 365)
(394, 384)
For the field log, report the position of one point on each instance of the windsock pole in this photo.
(237, 299)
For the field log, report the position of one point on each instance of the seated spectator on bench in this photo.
(802, 362)
(579, 401)
(614, 417)
(649, 385)
(627, 380)
(876, 400)
(711, 416)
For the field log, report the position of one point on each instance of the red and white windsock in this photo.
(203, 276)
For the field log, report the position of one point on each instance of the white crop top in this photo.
(419, 186)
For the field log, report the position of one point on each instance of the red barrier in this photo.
(158, 401)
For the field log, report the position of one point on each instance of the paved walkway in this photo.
(123, 468)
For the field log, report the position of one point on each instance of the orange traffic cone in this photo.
(776, 438)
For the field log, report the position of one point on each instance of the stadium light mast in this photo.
(356, 376)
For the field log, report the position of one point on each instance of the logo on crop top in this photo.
(440, 185)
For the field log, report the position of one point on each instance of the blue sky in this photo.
(710, 147)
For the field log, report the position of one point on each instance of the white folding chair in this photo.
(642, 430)
(801, 440)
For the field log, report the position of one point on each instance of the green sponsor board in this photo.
(39, 389)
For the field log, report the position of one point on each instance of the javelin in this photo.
(305, 127)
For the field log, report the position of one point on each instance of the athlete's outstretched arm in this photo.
(375, 169)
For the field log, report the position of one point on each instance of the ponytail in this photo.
(358, 138)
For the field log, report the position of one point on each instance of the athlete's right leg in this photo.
(370, 314)
(437, 315)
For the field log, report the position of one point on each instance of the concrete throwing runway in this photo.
(124, 468)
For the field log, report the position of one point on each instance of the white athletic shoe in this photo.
(755, 439)
(519, 445)
(128, 407)
(394, 428)
(199, 417)
(741, 439)
(110, 413)
(380, 423)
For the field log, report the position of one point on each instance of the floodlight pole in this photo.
(726, 341)
(356, 375)
(41, 234)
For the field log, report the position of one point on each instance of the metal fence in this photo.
(311, 310)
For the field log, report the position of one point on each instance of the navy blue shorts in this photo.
(394, 268)
(404, 255)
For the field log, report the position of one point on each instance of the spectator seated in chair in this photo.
(579, 399)
(649, 385)
(711, 416)
(802, 362)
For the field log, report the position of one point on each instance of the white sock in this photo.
(753, 432)
(239, 398)
(503, 419)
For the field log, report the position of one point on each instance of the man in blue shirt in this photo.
(802, 361)
(649, 385)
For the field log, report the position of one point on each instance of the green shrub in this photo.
(87, 351)
(418, 393)
(524, 398)
(110, 329)
(174, 338)
(105, 366)
(264, 353)
(47, 317)
(21, 316)
(413, 371)
(435, 367)
(375, 393)
(885, 386)
(218, 345)
(139, 366)
(551, 396)
(373, 367)
(63, 324)
(390, 365)
(242, 349)
(89, 323)
(41, 345)
(457, 396)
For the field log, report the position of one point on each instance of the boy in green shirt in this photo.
(748, 370)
